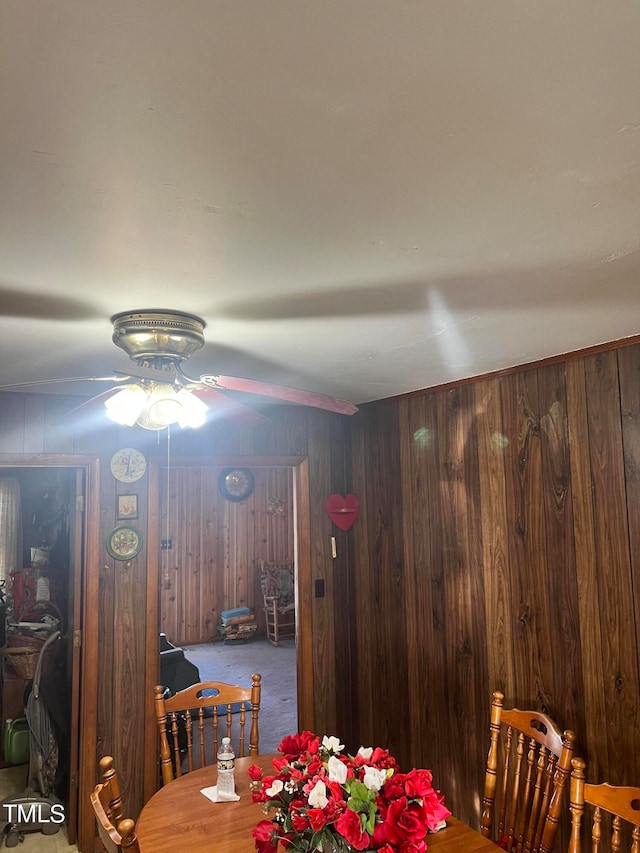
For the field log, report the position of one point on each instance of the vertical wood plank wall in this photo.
(216, 547)
(498, 547)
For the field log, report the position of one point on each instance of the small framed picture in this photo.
(127, 507)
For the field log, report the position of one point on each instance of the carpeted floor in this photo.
(236, 664)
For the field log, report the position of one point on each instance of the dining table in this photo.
(179, 817)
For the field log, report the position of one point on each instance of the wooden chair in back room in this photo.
(278, 591)
(615, 812)
(193, 721)
(117, 834)
(528, 765)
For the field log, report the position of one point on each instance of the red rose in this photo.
(265, 837)
(381, 759)
(379, 840)
(435, 809)
(314, 767)
(335, 789)
(405, 821)
(294, 745)
(280, 764)
(348, 825)
(299, 822)
(255, 773)
(411, 847)
(317, 819)
(417, 783)
(393, 788)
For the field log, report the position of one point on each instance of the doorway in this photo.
(299, 473)
(59, 526)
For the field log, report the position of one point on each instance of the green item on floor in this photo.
(16, 741)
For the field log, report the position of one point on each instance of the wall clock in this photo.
(128, 465)
(236, 484)
(124, 542)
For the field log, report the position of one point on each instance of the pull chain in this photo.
(166, 577)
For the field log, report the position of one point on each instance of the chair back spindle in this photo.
(117, 834)
(615, 806)
(193, 721)
(528, 764)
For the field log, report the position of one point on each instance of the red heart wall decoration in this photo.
(342, 510)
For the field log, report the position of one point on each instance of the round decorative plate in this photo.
(124, 542)
(236, 484)
(128, 465)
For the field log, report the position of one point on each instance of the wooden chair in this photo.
(189, 722)
(115, 833)
(619, 802)
(277, 584)
(529, 762)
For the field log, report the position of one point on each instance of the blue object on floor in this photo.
(232, 614)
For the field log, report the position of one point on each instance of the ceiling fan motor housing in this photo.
(172, 336)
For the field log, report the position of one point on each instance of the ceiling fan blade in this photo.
(93, 402)
(36, 382)
(281, 392)
(231, 410)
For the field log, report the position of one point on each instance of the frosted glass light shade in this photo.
(194, 411)
(156, 406)
(126, 406)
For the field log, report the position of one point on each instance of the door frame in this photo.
(89, 576)
(304, 612)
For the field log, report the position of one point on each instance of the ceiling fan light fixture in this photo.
(194, 411)
(163, 407)
(156, 405)
(126, 406)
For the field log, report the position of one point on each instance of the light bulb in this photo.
(125, 406)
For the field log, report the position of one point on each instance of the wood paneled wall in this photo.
(216, 547)
(498, 547)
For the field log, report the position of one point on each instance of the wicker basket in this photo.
(23, 661)
(24, 641)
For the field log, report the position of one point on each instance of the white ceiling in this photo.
(360, 197)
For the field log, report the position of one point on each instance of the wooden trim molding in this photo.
(516, 368)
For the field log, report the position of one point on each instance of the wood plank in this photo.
(534, 655)
(629, 372)
(492, 443)
(583, 511)
(566, 706)
(464, 595)
(618, 631)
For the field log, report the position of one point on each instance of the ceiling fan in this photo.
(161, 393)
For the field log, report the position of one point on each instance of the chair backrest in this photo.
(277, 581)
(528, 764)
(194, 720)
(116, 833)
(621, 805)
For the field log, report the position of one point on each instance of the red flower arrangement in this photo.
(325, 800)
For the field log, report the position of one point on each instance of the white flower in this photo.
(332, 744)
(365, 752)
(374, 779)
(337, 770)
(318, 795)
(275, 788)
